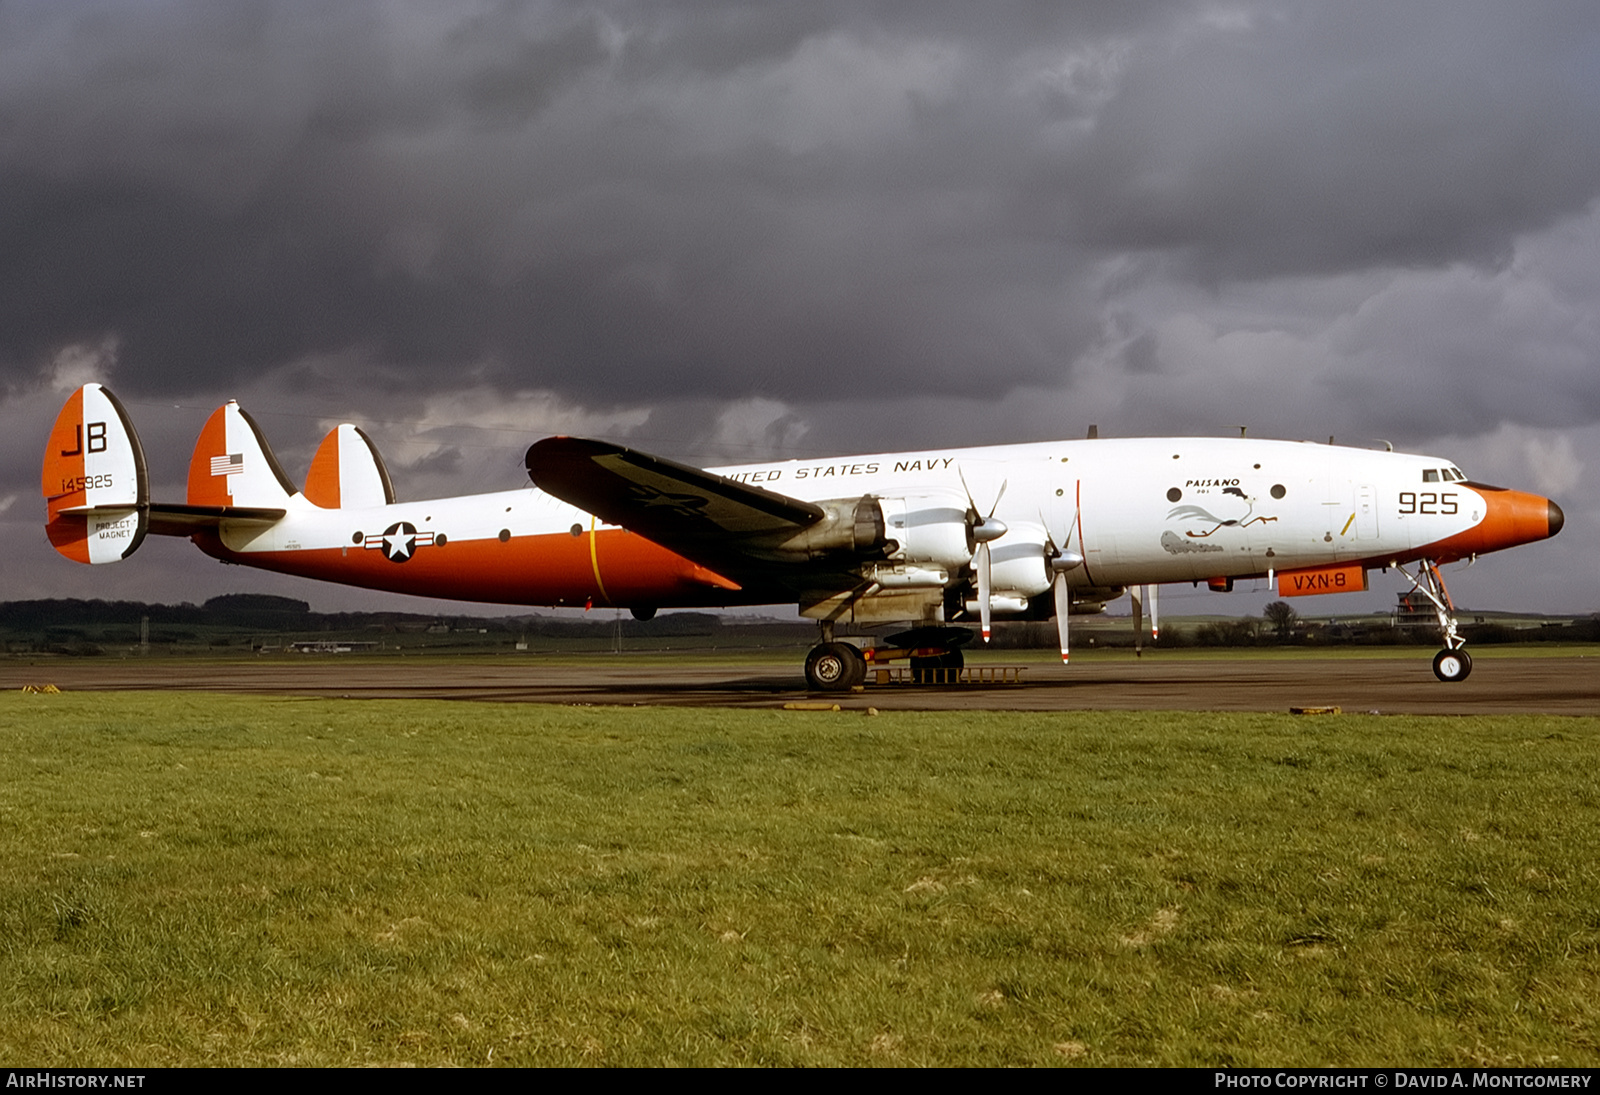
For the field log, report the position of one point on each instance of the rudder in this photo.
(93, 479)
(233, 465)
(347, 472)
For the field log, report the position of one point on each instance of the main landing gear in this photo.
(1452, 663)
(835, 667)
(934, 653)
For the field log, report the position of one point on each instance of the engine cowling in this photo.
(919, 534)
(849, 525)
(1020, 562)
(931, 527)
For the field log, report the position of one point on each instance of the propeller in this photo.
(984, 530)
(1139, 595)
(1062, 560)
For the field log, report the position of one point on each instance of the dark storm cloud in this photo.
(779, 199)
(828, 204)
(1316, 138)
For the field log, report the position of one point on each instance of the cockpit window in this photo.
(1454, 475)
(1430, 475)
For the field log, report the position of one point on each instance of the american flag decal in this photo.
(232, 464)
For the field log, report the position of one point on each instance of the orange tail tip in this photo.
(233, 465)
(347, 472)
(93, 480)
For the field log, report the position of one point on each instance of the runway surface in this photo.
(1402, 684)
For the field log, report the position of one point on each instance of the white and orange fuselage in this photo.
(1138, 511)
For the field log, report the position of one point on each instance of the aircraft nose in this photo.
(1517, 517)
(1510, 517)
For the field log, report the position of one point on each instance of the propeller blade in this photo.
(983, 529)
(984, 610)
(1136, 593)
(999, 496)
(1063, 610)
(1155, 617)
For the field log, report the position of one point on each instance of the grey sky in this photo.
(728, 230)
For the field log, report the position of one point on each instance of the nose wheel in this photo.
(1452, 665)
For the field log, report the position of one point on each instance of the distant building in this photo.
(330, 646)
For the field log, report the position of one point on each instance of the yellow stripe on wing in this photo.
(594, 561)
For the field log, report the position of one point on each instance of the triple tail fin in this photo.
(347, 472)
(233, 465)
(94, 482)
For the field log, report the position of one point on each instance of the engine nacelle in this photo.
(930, 527)
(920, 533)
(1019, 563)
(853, 525)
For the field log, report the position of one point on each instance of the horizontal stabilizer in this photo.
(93, 479)
(171, 519)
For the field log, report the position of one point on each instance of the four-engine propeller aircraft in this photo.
(932, 537)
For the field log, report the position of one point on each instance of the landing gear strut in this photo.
(1452, 663)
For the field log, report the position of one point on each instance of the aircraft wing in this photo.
(704, 517)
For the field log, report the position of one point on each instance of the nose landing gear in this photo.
(1452, 663)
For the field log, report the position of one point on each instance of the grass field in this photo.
(197, 879)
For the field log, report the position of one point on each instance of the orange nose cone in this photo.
(1511, 517)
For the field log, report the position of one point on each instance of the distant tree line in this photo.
(241, 619)
(71, 626)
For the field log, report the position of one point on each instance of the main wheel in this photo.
(835, 667)
(1452, 665)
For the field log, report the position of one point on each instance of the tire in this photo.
(834, 667)
(1452, 665)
